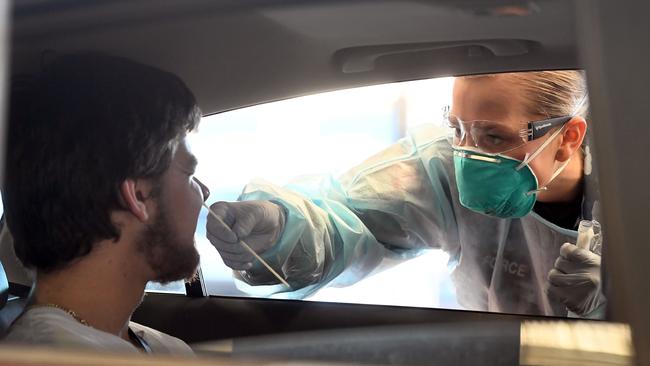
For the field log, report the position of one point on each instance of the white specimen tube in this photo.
(585, 234)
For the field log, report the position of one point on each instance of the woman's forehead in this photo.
(493, 97)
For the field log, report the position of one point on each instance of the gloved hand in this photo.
(575, 280)
(258, 223)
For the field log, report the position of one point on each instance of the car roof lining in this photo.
(239, 53)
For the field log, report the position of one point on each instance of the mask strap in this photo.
(532, 156)
(557, 172)
(555, 175)
(529, 158)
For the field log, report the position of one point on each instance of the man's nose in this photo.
(204, 189)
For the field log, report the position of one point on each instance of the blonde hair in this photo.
(553, 93)
(550, 93)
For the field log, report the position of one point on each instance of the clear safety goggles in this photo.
(498, 137)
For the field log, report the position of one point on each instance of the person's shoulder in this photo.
(42, 323)
(428, 134)
(46, 326)
(32, 328)
(159, 341)
(432, 144)
(430, 139)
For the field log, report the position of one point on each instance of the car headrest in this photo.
(4, 287)
(13, 268)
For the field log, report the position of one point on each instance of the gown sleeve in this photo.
(397, 202)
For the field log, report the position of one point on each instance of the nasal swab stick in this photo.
(249, 249)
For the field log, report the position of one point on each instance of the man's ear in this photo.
(572, 137)
(134, 197)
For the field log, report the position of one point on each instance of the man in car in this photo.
(101, 199)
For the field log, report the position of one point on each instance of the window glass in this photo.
(176, 287)
(454, 193)
(324, 134)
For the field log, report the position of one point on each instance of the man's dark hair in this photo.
(83, 126)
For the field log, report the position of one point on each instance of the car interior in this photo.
(238, 54)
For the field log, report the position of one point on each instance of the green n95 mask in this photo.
(493, 186)
(498, 185)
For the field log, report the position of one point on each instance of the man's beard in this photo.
(169, 257)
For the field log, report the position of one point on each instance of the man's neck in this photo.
(102, 288)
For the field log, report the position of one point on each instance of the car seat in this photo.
(13, 295)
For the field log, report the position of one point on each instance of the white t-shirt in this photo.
(49, 326)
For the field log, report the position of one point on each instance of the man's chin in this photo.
(183, 266)
(169, 257)
(167, 280)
